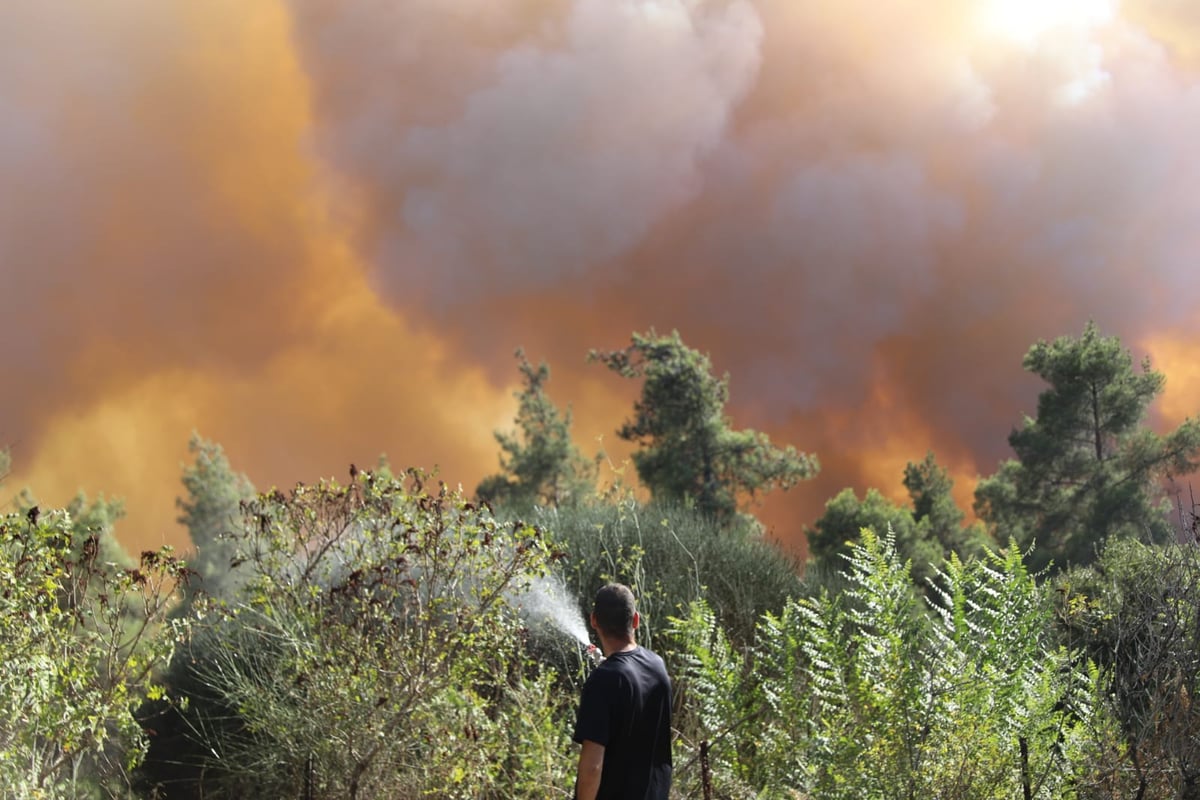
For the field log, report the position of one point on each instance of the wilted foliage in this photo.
(372, 653)
(80, 640)
(1137, 613)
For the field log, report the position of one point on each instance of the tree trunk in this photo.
(1026, 781)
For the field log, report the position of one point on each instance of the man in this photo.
(624, 723)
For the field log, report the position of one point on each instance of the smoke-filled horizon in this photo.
(316, 231)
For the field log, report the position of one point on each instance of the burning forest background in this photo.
(316, 231)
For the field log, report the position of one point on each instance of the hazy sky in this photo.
(315, 231)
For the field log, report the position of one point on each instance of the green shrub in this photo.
(672, 556)
(374, 652)
(80, 640)
(1136, 612)
(866, 696)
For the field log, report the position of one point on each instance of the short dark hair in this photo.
(614, 609)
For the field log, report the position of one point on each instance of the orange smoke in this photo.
(1174, 354)
(270, 341)
(316, 231)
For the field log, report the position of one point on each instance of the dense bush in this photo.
(1137, 613)
(672, 556)
(374, 652)
(868, 696)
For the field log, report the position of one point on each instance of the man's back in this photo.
(626, 707)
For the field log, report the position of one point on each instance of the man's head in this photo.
(613, 611)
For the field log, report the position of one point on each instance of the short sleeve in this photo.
(595, 706)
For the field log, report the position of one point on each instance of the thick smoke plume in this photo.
(316, 230)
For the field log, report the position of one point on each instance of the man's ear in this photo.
(592, 619)
(636, 619)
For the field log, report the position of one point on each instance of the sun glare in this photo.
(1026, 21)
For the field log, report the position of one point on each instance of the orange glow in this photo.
(362, 373)
(350, 365)
(1174, 354)
(1174, 23)
(315, 231)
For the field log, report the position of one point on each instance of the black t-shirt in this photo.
(626, 707)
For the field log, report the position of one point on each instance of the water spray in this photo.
(547, 603)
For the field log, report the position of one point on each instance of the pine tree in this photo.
(925, 534)
(938, 518)
(211, 511)
(1086, 468)
(689, 453)
(540, 465)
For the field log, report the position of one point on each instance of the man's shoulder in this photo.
(648, 656)
(607, 673)
(640, 660)
(647, 653)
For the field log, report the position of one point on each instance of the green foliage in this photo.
(1137, 613)
(865, 695)
(211, 512)
(671, 556)
(80, 640)
(925, 534)
(540, 465)
(835, 532)
(1086, 468)
(938, 518)
(374, 652)
(688, 451)
(89, 519)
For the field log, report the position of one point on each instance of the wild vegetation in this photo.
(373, 640)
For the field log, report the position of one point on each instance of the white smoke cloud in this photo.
(837, 174)
(570, 153)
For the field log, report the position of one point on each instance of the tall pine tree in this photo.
(689, 452)
(1087, 468)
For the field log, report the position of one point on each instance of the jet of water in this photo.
(547, 602)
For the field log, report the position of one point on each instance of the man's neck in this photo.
(611, 646)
